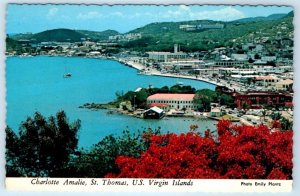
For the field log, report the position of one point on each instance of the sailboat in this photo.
(67, 74)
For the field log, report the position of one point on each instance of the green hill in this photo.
(98, 36)
(65, 35)
(162, 36)
(59, 35)
(261, 18)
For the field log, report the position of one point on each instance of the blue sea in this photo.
(37, 84)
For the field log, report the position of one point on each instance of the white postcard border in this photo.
(23, 182)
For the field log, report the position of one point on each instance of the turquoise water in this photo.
(37, 84)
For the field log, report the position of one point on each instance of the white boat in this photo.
(67, 75)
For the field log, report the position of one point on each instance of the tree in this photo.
(204, 98)
(43, 147)
(100, 159)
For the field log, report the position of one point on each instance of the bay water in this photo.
(37, 84)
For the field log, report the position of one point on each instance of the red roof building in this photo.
(168, 101)
(255, 100)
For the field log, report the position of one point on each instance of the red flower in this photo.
(241, 152)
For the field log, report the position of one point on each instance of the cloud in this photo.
(89, 15)
(186, 13)
(224, 14)
(52, 12)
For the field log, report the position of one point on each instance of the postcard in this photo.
(164, 98)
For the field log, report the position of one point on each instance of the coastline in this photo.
(140, 67)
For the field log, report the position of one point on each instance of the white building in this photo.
(166, 56)
(267, 81)
(172, 101)
(284, 85)
(268, 58)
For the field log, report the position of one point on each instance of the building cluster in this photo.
(125, 37)
(255, 74)
(83, 48)
(202, 26)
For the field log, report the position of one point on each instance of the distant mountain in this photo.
(161, 36)
(98, 36)
(65, 35)
(290, 14)
(59, 35)
(261, 18)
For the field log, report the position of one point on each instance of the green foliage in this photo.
(42, 147)
(276, 116)
(204, 98)
(226, 100)
(100, 159)
(63, 35)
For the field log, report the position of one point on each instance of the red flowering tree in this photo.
(238, 152)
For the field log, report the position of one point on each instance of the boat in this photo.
(67, 75)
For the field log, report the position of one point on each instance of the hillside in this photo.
(98, 36)
(162, 36)
(261, 18)
(65, 35)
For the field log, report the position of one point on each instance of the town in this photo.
(257, 73)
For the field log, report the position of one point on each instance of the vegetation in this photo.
(43, 147)
(66, 35)
(139, 99)
(205, 97)
(162, 36)
(239, 152)
(47, 148)
(100, 159)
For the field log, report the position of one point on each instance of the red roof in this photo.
(264, 78)
(289, 104)
(168, 96)
(158, 104)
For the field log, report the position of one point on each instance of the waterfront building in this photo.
(166, 56)
(215, 112)
(206, 72)
(256, 100)
(172, 101)
(229, 63)
(153, 113)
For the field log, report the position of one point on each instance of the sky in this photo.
(36, 18)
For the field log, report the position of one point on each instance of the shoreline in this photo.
(140, 67)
